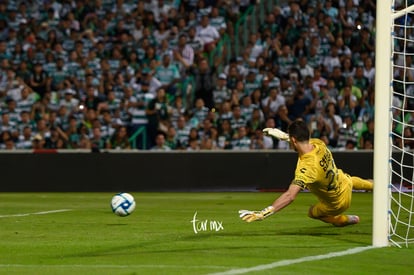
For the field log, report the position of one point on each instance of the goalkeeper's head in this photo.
(298, 131)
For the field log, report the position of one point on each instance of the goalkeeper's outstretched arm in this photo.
(281, 202)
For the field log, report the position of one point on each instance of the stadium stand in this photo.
(111, 74)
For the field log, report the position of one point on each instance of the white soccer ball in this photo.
(123, 204)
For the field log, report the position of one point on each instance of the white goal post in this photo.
(393, 207)
(383, 94)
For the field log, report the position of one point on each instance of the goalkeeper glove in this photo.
(274, 132)
(250, 216)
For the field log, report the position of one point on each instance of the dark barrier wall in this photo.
(178, 171)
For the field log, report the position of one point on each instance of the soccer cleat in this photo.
(351, 219)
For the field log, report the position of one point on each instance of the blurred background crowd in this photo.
(185, 74)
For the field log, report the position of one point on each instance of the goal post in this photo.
(383, 95)
(393, 206)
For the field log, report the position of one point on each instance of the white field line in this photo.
(294, 261)
(111, 266)
(36, 213)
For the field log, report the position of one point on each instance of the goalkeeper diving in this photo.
(317, 172)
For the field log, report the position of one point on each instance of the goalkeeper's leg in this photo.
(324, 213)
(362, 184)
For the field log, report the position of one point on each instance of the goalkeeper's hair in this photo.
(299, 130)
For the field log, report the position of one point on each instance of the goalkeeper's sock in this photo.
(361, 184)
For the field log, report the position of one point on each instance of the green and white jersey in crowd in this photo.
(58, 76)
(274, 82)
(21, 125)
(196, 44)
(247, 111)
(226, 116)
(95, 65)
(14, 116)
(25, 104)
(221, 94)
(114, 65)
(40, 57)
(167, 74)
(72, 67)
(87, 46)
(218, 23)
(138, 115)
(200, 113)
(183, 135)
(49, 67)
(249, 87)
(315, 61)
(11, 126)
(114, 105)
(80, 74)
(286, 63)
(24, 143)
(241, 144)
(68, 44)
(237, 123)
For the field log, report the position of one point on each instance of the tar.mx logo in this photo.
(205, 225)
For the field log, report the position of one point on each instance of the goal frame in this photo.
(385, 15)
(383, 95)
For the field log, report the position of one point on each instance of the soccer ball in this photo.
(123, 204)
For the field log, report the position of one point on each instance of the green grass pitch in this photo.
(159, 237)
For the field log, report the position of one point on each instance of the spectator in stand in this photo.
(25, 138)
(184, 54)
(217, 21)
(221, 93)
(120, 139)
(158, 113)
(183, 132)
(347, 102)
(338, 78)
(226, 133)
(272, 102)
(334, 122)
(195, 42)
(300, 106)
(56, 140)
(204, 82)
(369, 70)
(171, 139)
(39, 80)
(360, 81)
(366, 141)
(208, 34)
(255, 122)
(347, 136)
(304, 68)
(168, 74)
(281, 118)
(237, 120)
(241, 141)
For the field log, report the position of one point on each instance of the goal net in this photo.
(401, 178)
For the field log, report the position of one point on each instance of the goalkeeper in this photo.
(317, 172)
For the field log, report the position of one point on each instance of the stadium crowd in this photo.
(90, 74)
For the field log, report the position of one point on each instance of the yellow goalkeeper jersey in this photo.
(317, 172)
